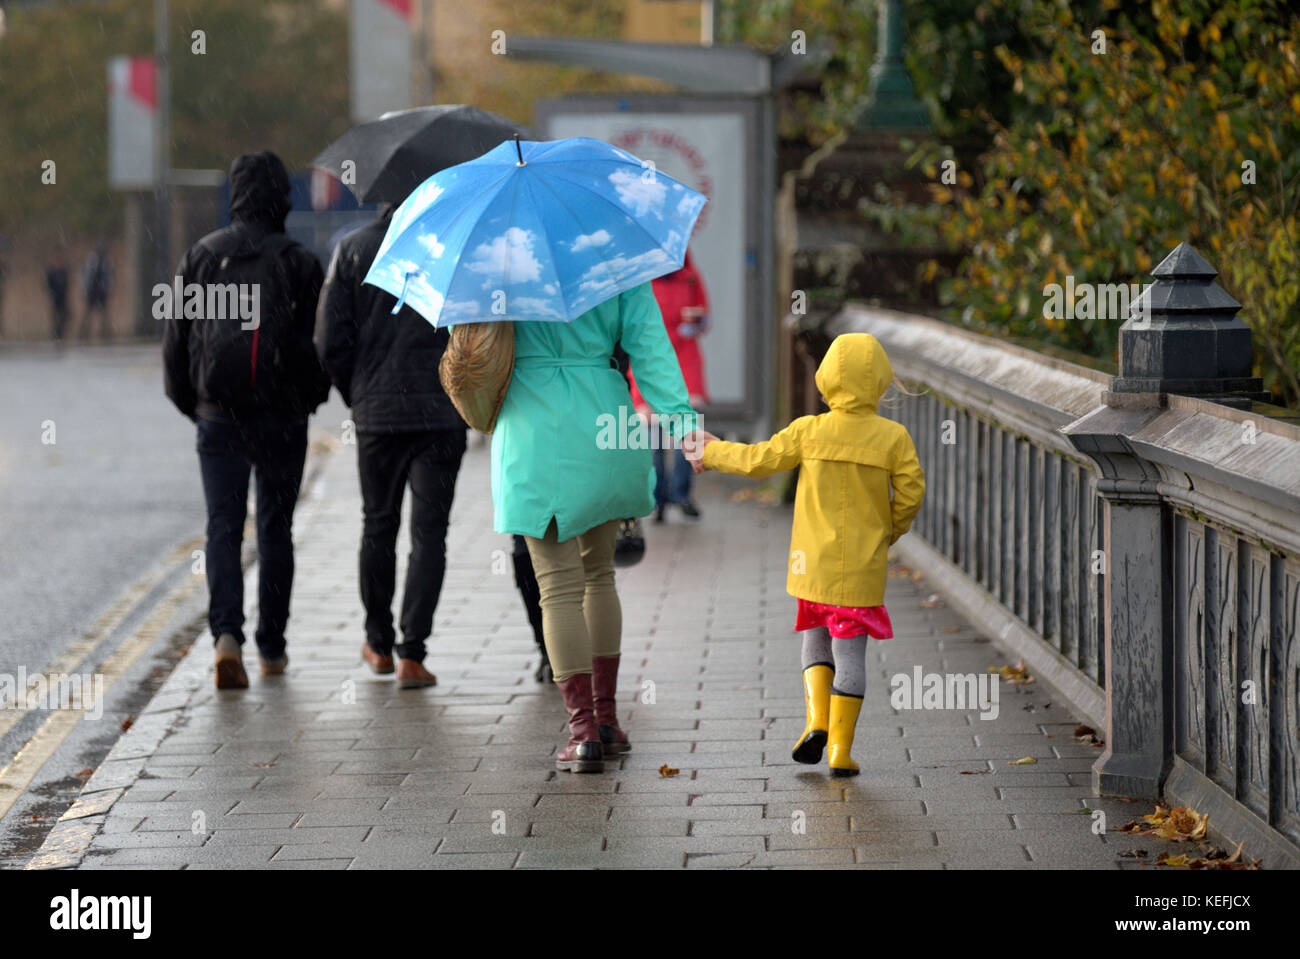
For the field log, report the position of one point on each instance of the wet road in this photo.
(98, 483)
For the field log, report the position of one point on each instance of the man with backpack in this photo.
(385, 367)
(239, 361)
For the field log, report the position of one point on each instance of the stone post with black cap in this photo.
(1183, 336)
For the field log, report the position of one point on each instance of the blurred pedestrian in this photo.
(860, 486)
(684, 304)
(96, 285)
(385, 367)
(4, 266)
(249, 381)
(56, 283)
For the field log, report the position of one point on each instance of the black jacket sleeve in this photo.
(177, 381)
(315, 381)
(336, 324)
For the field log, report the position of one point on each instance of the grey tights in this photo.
(847, 656)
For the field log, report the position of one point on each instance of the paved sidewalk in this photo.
(331, 767)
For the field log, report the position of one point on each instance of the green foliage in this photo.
(1114, 158)
(1069, 162)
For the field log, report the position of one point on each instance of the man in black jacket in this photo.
(238, 360)
(385, 366)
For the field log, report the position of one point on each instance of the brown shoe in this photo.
(380, 664)
(584, 753)
(275, 666)
(411, 674)
(604, 694)
(230, 663)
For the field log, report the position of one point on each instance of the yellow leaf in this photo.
(1026, 761)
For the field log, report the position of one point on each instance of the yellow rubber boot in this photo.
(844, 719)
(816, 697)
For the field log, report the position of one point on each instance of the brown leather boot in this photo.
(604, 691)
(583, 754)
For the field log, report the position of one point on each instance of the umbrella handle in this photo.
(401, 300)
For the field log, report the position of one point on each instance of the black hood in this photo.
(259, 190)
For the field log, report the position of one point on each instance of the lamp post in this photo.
(162, 161)
(891, 101)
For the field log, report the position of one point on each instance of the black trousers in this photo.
(388, 462)
(275, 450)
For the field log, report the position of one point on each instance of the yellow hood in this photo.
(854, 374)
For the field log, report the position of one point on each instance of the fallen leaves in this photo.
(976, 772)
(1087, 736)
(84, 774)
(128, 723)
(933, 601)
(1184, 824)
(1215, 858)
(901, 571)
(667, 772)
(1178, 824)
(1023, 761)
(1017, 675)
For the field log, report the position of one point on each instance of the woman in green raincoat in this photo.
(570, 458)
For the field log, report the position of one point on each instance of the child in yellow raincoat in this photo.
(860, 486)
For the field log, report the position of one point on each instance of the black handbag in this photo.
(630, 546)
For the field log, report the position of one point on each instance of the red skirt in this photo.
(845, 622)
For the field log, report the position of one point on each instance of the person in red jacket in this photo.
(684, 304)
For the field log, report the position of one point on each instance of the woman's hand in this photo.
(693, 444)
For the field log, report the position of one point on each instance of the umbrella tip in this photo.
(519, 151)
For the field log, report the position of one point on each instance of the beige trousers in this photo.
(581, 615)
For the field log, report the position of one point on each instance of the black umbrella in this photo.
(393, 155)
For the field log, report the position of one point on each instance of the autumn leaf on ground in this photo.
(952, 629)
(84, 774)
(1183, 823)
(742, 495)
(128, 723)
(1025, 761)
(1087, 736)
(976, 772)
(933, 601)
(667, 771)
(1017, 675)
(900, 571)
(1177, 824)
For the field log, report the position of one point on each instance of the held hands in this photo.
(693, 447)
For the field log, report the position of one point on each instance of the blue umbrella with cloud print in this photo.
(534, 231)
